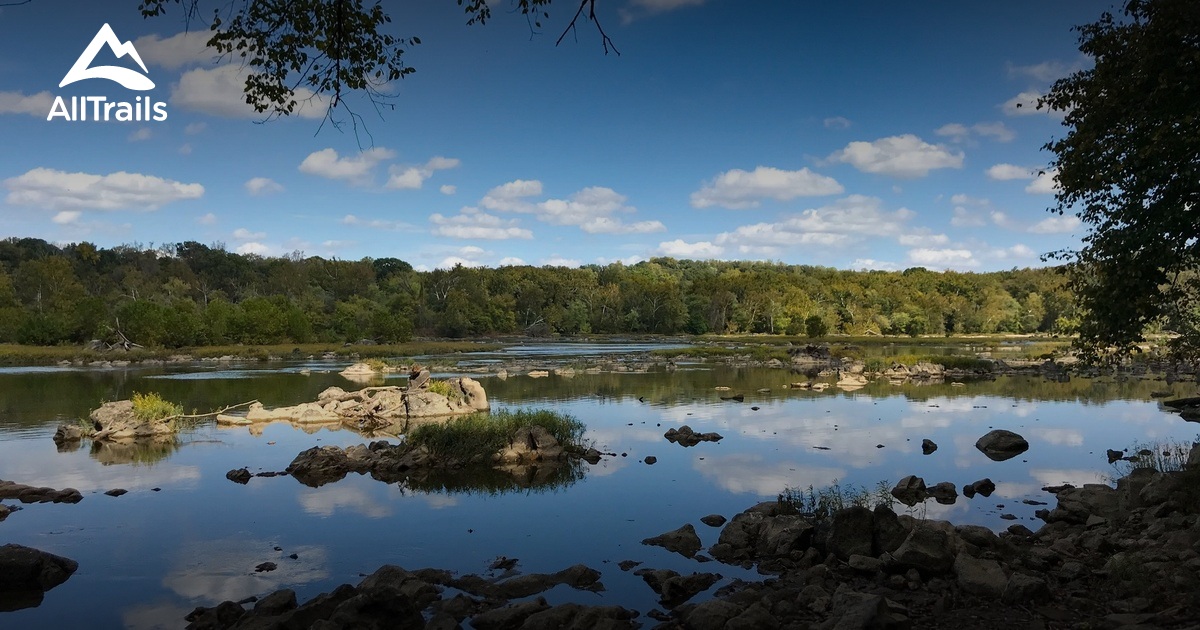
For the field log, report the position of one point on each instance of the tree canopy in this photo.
(1129, 168)
(323, 50)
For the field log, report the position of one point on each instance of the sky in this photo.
(856, 135)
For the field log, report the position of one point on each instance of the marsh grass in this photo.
(820, 503)
(151, 407)
(948, 361)
(443, 388)
(479, 435)
(1163, 456)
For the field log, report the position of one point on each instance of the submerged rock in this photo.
(33, 494)
(683, 541)
(685, 436)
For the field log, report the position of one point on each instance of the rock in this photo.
(1193, 460)
(926, 549)
(26, 573)
(674, 589)
(509, 617)
(265, 567)
(626, 565)
(712, 615)
(580, 617)
(783, 534)
(713, 520)
(116, 492)
(1023, 589)
(650, 460)
(68, 433)
(276, 603)
(910, 490)
(984, 487)
(980, 577)
(359, 369)
(851, 532)
(32, 494)
(928, 446)
(864, 564)
(239, 475)
(1000, 445)
(944, 493)
(977, 535)
(889, 534)
(685, 436)
(683, 541)
(1114, 456)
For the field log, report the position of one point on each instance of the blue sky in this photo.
(864, 135)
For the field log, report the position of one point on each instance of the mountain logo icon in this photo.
(83, 69)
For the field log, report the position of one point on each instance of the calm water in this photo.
(147, 558)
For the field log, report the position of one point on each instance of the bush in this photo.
(825, 501)
(150, 407)
(814, 326)
(480, 435)
(442, 387)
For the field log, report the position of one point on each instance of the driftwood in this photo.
(418, 378)
(211, 413)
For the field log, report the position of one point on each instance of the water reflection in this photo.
(134, 452)
(212, 571)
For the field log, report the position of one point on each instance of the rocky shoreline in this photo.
(1125, 557)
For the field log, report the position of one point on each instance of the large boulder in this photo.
(683, 541)
(851, 533)
(927, 549)
(910, 490)
(26, 573)
(1000, 445)
(980, 577)
(116, 421)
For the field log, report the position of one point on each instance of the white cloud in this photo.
(958, 132)
(58, 190)
(1046, 183)
(208, 219)
(1024, 104)
(20, 103)
(67, 217)
(242, 234)
(447, 189)
(353, 169)
(943, 258)
(195, 128)
(188, 48)
(679, 248)
(1046, 72)
(375, 224)
(963, 217)
(590, 209)
(143, 133)
(738, 189)
(870, 264)
(511, 261)
(413, 177)
(255, 248)
(845, 221)
(1001, 219)
(511, 197)
(904, 156)
(220, 91)
(259, 186)
(837, 122)
(1056, 225)
(185, 149)
(642, 8)
(922, 239)
(1006, 172)
(558, 261)
(471, 223)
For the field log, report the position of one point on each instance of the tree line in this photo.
(190, 294)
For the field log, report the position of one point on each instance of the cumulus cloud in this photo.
(58, 190)
(1006, 172)
(352, 169)
(242, 234)
(845, 221)
(922, 239)
(375, 224)
(1025, 104)
(905, 156)
(220, 91)
(558, 261)
(144, 133)
(67, 217)
(32, 104)
(511, 261)
(837, 122)
(471, 223)
(208, 219)
(260, 186)
(963, 217)
(1046, 183)
(737, 189)
(958, 132)
(679, 248)
(870, 264)
(591, 209)
(943, 258)
(195, 128)
(1056, 225)
(1046, 71)
(447, 189)
(413, 177)
(188, 48)
(255, 248)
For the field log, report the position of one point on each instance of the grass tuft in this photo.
(822, 503)
(477, 436)
(151, 407)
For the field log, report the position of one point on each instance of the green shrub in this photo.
(150, 407)
(479, 435)
(443, 388)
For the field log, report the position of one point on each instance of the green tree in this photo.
(1129, 168)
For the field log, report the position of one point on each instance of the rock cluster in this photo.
(115, 422)
(393, 597)
(685, 436)
(33, 494)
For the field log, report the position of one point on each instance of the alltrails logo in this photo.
(142, 109)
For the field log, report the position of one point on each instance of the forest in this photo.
(189, 294)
